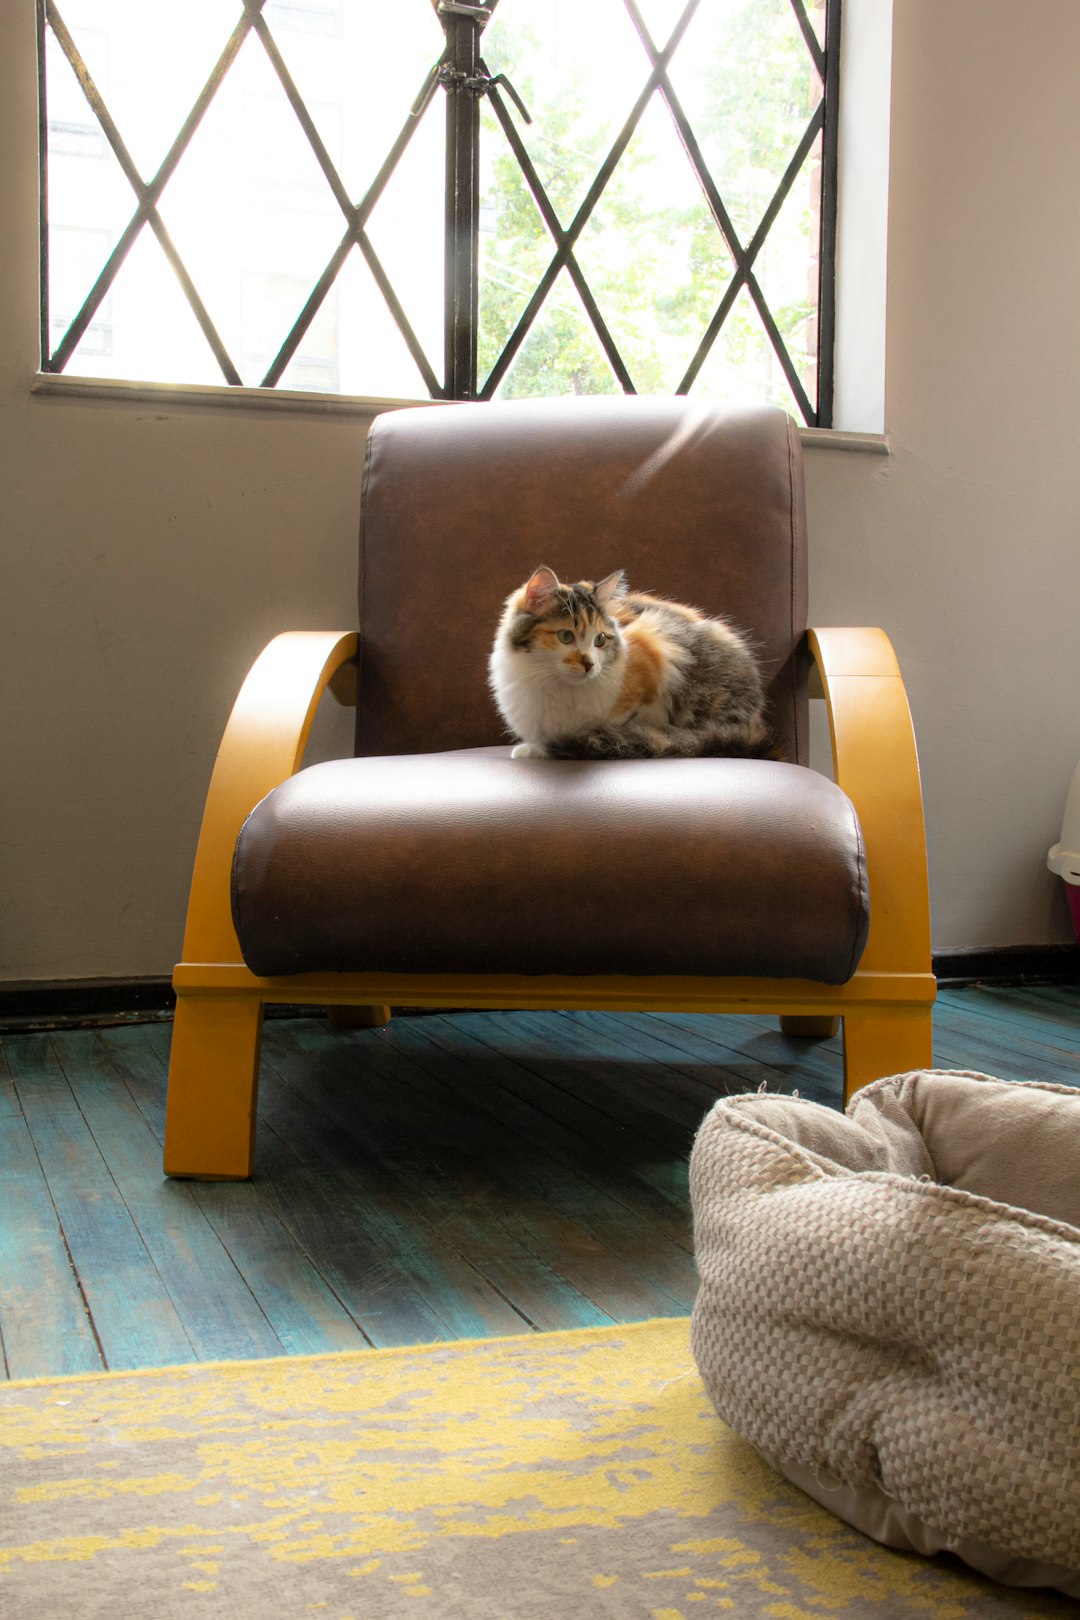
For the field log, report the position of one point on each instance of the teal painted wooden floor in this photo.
(446, 1177)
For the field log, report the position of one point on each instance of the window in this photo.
(443, 198)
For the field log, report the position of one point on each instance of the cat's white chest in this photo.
(538, 703)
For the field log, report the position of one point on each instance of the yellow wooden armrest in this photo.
(263, 744)
(876, 765)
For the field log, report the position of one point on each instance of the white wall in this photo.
(150, 550)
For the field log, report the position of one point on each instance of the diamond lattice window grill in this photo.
(462, 79)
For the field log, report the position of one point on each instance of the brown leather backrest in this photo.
(460, 503)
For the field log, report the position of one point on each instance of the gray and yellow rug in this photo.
(549, 1477)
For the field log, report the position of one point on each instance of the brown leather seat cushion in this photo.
(471, 862)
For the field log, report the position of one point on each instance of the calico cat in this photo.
(594, 672)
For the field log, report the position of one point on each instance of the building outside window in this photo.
(442, 198)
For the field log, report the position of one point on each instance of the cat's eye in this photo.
(566, 637)
(601, 640)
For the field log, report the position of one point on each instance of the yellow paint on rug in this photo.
(593, 1455)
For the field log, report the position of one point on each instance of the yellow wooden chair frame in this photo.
(886, 1006)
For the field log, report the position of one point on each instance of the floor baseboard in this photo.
(38, 1004)
(1009, 964)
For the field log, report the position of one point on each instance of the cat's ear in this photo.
(612, 587)
(540, 589)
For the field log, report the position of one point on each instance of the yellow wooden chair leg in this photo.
(213, 1087)
(810, 1027)
(348, 1017)
(881, 1043)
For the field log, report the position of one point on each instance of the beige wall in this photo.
(965, 543)
(151, 550)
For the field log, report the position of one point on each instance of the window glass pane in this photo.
(270, 305)
(562, 354)
(629, 176)
(76, 255)
(748, 85)
(815, 16)
(579, 69)
(73, 129)
(406, 231)
(306, 16)
(149, 62)
(788, 265)
(654, 256)
(515, 245)
(372, 353)
(90, 203)
(251, 213)
(369, 72)
(744, 88)
(742, 367)
(247, 202)
(152, 332)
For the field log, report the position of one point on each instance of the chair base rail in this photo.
(214, 1064)
(659, 993)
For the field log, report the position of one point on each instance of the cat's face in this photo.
(568, 629)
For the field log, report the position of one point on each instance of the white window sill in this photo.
(62, 385)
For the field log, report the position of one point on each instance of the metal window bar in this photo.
(463, 75)
(829, 199)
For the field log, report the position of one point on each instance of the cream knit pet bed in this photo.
(889, 1309)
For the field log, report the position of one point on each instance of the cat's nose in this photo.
(586, 663)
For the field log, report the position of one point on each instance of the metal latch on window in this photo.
(476, 84)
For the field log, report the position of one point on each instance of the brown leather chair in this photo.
(433, 870)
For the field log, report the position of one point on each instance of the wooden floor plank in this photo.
(1061, 1002)
(1023, 1020)
(402, 1284)
(9, 1100)
(295, 1297)
(140, 1058)
(699, 1070)
(221, 1317)
(368, 1262)
(783, 1063)
(557, 1208)
(965, 1043)
(703, 1043)
(452, 1174)
(466, 1270)
(400, 1159)
(579, 1224)
(565, 1049)
(614, 1160)
(323, 1214)
(46, 1327)
(1018, 1035)
(614, 1155)
(666, 1060)
(460, 1217)
(135, 1320)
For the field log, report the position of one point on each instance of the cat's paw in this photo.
(527, 750)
